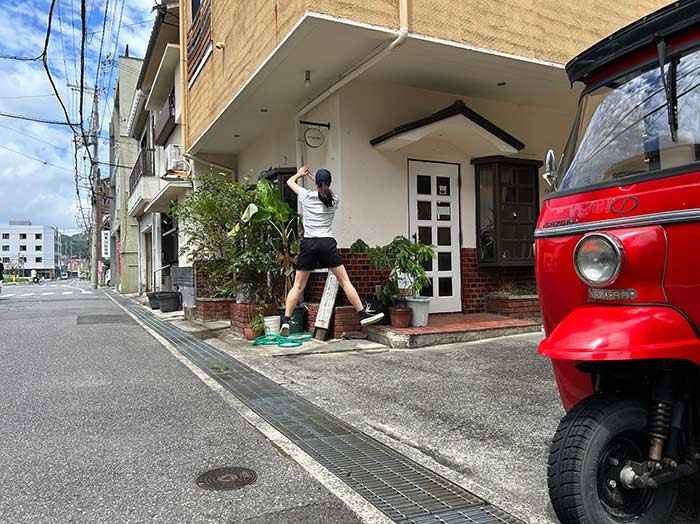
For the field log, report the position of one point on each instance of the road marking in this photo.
(87, 292)
(26, 295)
(47, 294)
(363, 508)
(67, 293)
(8, 295)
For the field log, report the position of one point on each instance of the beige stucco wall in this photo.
(550, 30)
(373, 184)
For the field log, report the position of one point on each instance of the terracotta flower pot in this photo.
(251, 334)
(400, 316)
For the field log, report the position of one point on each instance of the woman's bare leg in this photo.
(300, 280)
(348, 288)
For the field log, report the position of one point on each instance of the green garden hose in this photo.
(282, 342)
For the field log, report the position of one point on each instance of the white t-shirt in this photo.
(317, 218)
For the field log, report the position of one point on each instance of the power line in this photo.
(25, 96)
(34, 119)
(31, 136)
(36, 159)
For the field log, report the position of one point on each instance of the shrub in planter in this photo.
(256, 328)
(404, 260)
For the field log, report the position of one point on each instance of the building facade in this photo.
(24, 247)
(160, 176)
(432, 116)
(124, 229)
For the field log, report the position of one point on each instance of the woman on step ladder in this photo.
(319, 249)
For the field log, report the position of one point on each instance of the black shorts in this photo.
(318, 253)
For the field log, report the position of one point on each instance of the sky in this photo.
(45, 193)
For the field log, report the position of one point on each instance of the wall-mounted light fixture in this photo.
(307, 78)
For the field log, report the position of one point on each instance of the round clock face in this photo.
(314, 138)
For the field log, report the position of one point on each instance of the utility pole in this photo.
(95, 175)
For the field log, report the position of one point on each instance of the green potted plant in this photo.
(256, 328)
(404, 260)
(268, 208)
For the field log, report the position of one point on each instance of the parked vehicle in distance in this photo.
(64, 276)
(618, 279)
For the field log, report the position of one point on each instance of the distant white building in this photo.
(24, 246)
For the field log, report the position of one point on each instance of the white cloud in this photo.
(30, 189)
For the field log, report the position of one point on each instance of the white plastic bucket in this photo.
(421, 308)
(272, 325)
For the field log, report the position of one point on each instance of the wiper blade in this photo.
(669, 88)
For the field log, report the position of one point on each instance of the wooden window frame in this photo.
(498, 163)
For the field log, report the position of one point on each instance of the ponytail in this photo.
(325, 194)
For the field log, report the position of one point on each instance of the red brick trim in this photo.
(345, 320)
(208, 309)
(513, 305)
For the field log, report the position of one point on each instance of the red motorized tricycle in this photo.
(618, 271)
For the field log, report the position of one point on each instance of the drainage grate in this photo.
(405, 491)
(226, 478)
(104, 319)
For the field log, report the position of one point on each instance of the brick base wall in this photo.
(345, 320)
(208, 309)
(513, 306)
(361, 275)
(242, 315)
(479, 281)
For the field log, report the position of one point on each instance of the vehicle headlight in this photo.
(598, 259)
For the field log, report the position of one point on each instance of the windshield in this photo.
(622, 128)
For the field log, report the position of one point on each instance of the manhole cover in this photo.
(226, 478)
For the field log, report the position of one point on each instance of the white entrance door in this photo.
(434, 219)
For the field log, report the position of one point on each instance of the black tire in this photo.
(595, 430)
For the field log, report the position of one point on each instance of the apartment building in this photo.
(124, 229)
(25, 246)
(433, 116)
(160, 175)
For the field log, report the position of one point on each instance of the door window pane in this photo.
(445, 286)
(443, 186)
(424, 211)
(425, 235)
(444, 236)
(427, 265)
(444, 211)
(427, 291)
(424, 185)
(444, 261)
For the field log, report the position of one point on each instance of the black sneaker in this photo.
(369, 317)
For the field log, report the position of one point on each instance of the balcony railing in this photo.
(142, 167)
(198, 38)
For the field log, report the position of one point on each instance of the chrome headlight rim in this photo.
(619, 251)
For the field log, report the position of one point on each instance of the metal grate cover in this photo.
(226, 478)
(405, 491)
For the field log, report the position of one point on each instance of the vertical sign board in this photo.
(105, 243)
(325, 308)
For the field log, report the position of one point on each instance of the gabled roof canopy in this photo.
(457, 124)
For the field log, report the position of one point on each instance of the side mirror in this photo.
(550, 169)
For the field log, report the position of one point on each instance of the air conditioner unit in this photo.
(173, 158)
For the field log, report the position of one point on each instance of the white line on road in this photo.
(67, 293)
(366, 511)
(47, 294)
(8, 295)
(26, 294)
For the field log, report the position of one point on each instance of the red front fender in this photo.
(622, 333)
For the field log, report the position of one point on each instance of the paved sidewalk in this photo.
(481, 413)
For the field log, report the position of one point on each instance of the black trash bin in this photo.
(169, 301)
(153, 300)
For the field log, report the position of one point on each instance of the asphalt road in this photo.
(484, 410)
(101, 424)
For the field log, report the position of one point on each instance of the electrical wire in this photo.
(34, 119)
(36, 159)
(32, 136)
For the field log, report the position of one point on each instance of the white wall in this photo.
(275, 149)
(10, 248)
